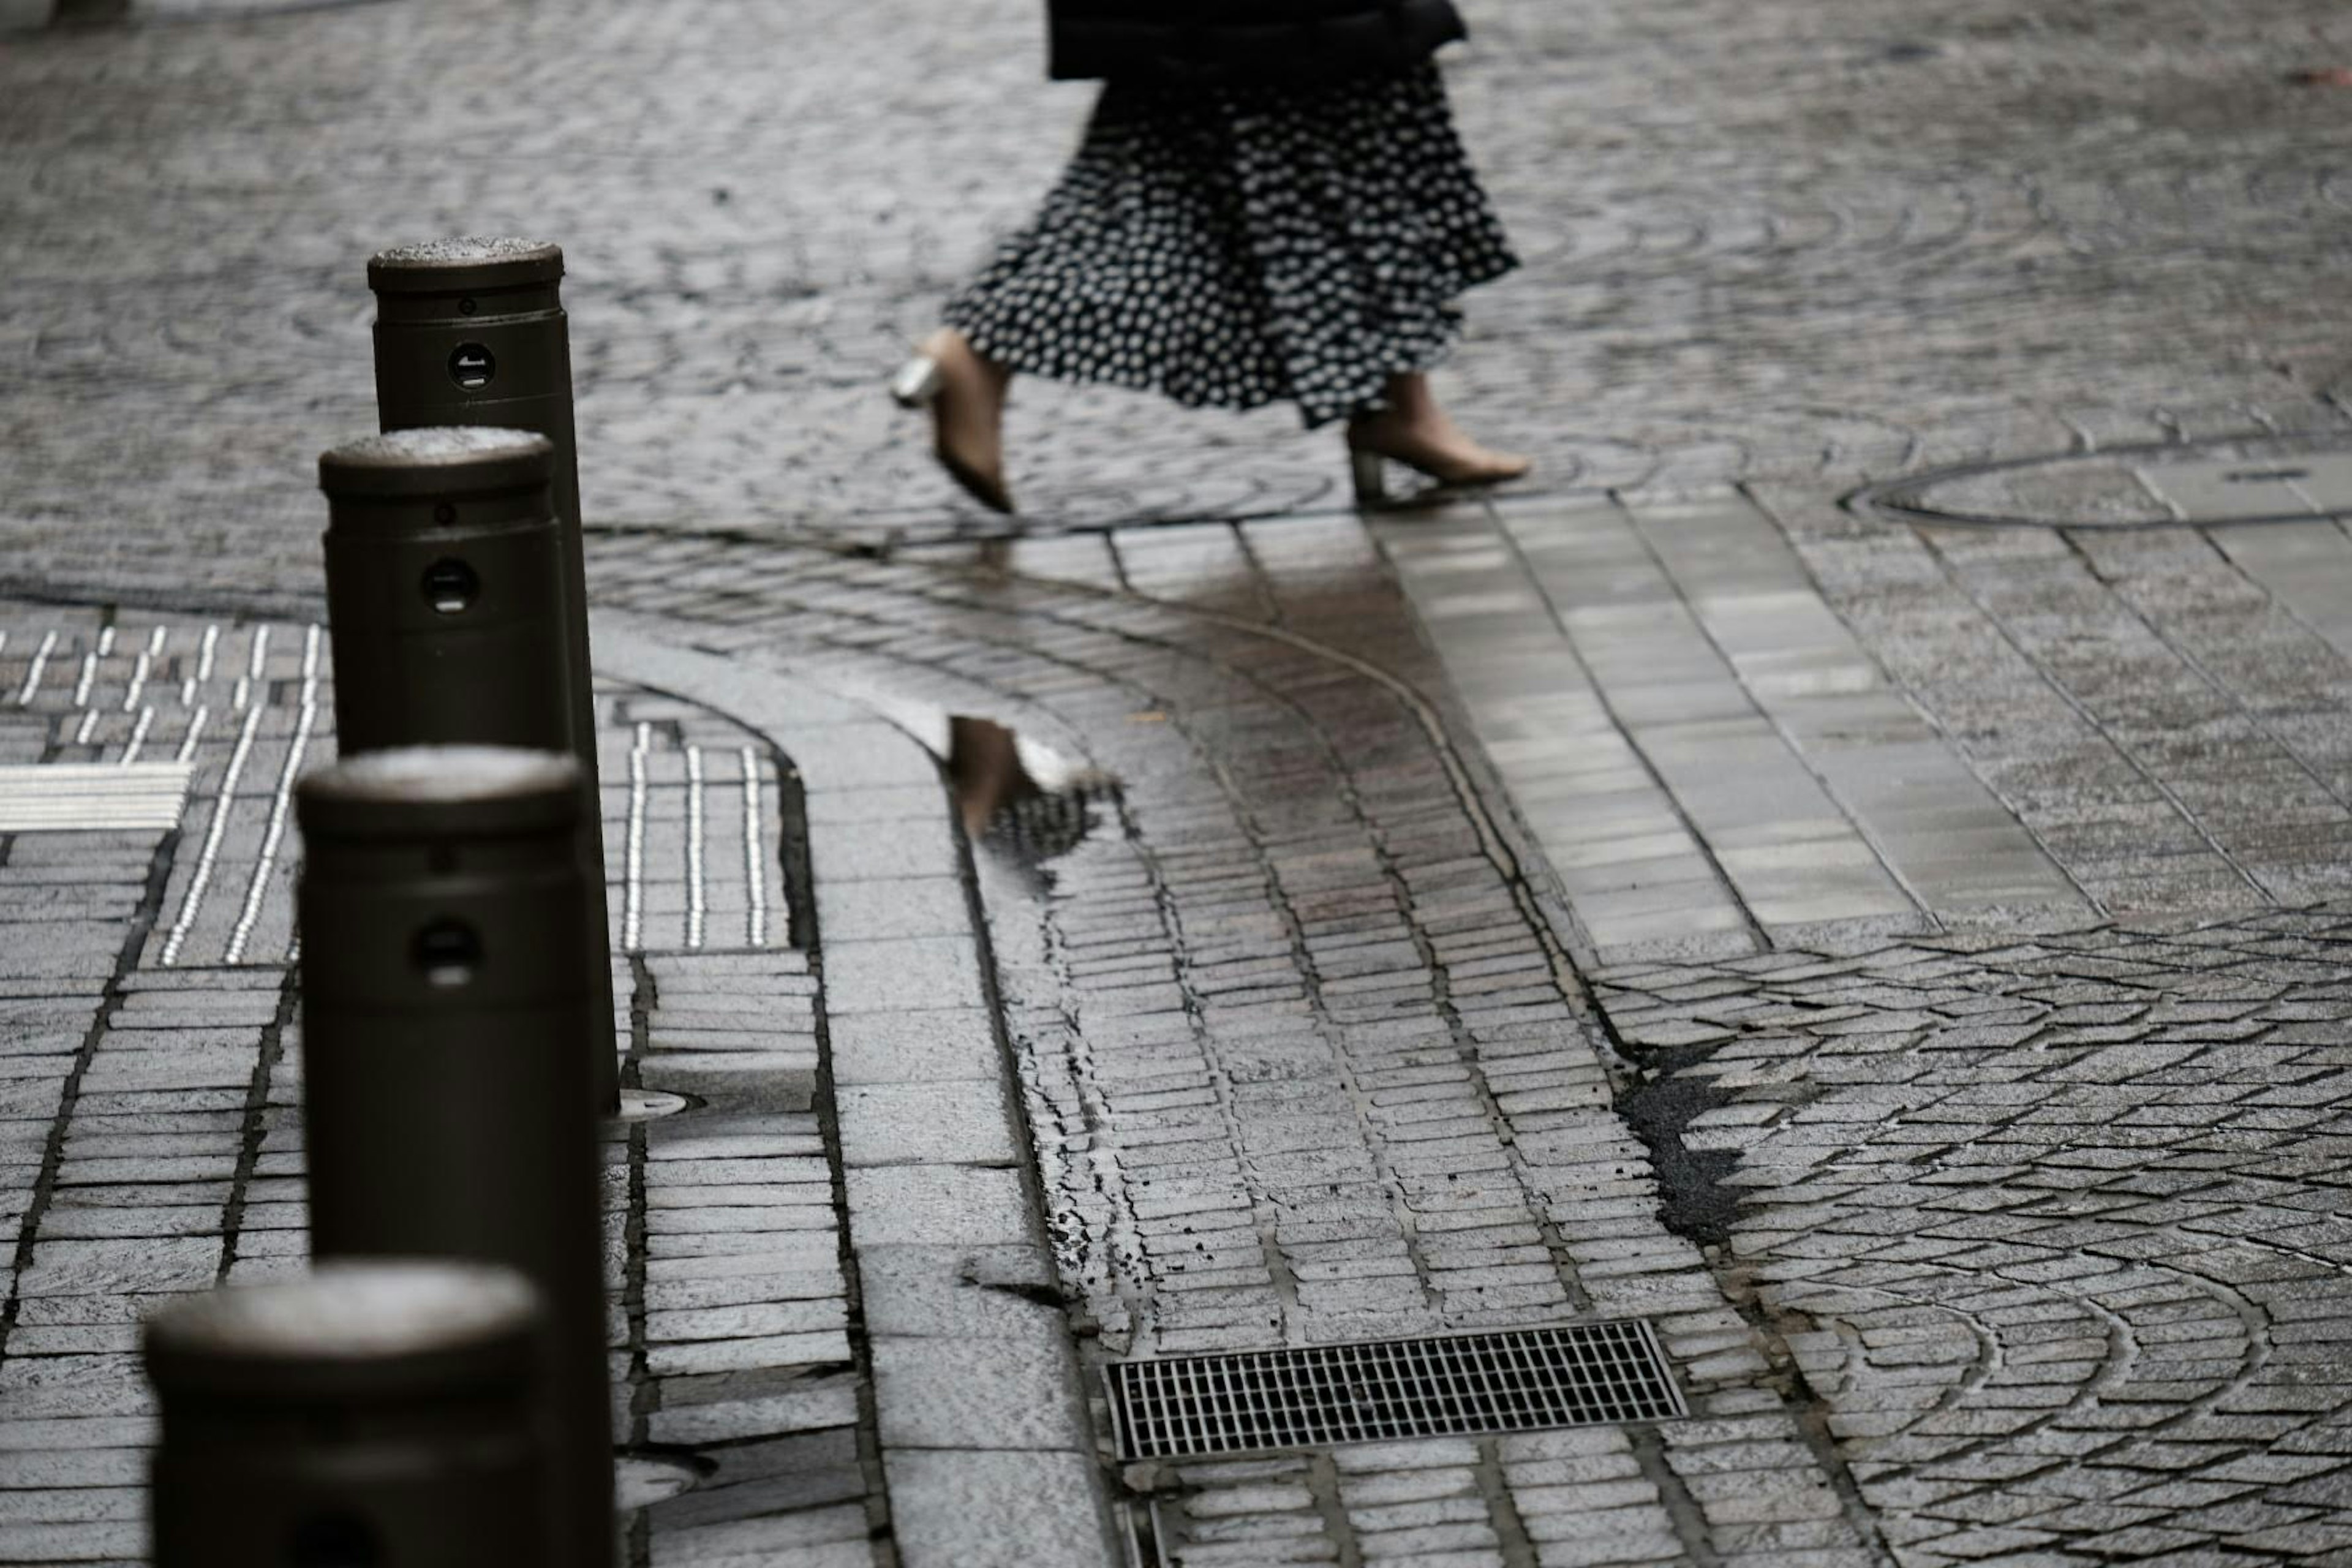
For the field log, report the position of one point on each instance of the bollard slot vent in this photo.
(451, 586)
(1515, 1381)
(449, 952)
(472, 366)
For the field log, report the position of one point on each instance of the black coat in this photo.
(1219, 42)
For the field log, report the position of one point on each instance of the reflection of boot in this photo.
(985, 764)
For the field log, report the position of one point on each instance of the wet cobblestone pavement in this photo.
(2053, 1228)
(1895, 945)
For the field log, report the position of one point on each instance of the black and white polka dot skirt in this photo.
(1238, 246)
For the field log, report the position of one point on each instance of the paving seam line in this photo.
(983, 1432)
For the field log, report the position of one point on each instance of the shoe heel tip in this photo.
(916, 385)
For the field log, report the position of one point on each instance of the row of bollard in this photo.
(435, 1394)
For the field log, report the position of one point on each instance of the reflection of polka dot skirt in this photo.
(1235, 247)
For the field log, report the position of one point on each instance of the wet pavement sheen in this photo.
(1894, 943)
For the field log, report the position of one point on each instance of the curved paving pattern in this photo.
(2049, 1226)
(1302, 1059)
(1307, 1052)
(2053, 1226)
(1829, 242)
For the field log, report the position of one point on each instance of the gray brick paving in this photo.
(1243, 1147)
(152, 1145)
(1765, 916)
(2052, 1241)
(1793, 243)
(1266, 1109)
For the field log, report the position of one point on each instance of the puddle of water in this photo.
(1017, 796)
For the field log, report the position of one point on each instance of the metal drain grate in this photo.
(63, 797)
(1516, 1381)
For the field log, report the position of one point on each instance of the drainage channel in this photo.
(1448, 1385)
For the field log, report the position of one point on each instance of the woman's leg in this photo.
(967, 402)
(1414, 430)
(1136, 271)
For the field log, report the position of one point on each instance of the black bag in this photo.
(1232, 42)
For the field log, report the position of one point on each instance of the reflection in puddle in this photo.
(1023, 800)
(1019, 797)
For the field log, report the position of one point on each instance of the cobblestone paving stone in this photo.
(1989, 1217)
(1788, 242)
(2053, 1226)
(1260, 1029)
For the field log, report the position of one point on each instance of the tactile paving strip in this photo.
(1516, 1381)
(209, 726)
(74, 797)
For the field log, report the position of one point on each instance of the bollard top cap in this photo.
(437, 462)
(471, 264)
(389, 1327)
(442, 791)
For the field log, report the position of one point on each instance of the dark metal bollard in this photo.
(445, 593)
(472, 331)
(446, 601)
(445, 1103)
(368, 1415)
